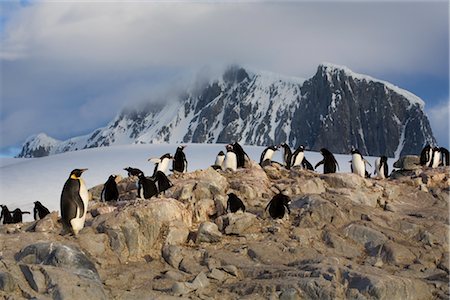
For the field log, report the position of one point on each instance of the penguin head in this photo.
(221, 153)
(37, 203)
(301, 148)
(273, 148)
(75, 174)
(167, 155)
(229, 147)
(181, 148)
(355, 151)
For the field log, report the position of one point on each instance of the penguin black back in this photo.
(17, 215)
(445, 158)
(234, 203)
(383, 162)
(278, 205)
(425, 155)
(39, 211)
(110, 191)
(329, 162)
(147, 187)
(240, 155)
(287, 155)
(179, 163)
(163, 182)
(132, 171)
(6, 215)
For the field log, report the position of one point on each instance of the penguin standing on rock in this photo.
(358, 163)
(381, 167)
(436, 159)
(6, 215)
(426, 155)
(162, 163)
(110, 191)
(180, 163)
(147, 186)
(219, 161)
(230, 161)
(328, 161)
(299, 159)
(278, 206)
(163, 182)
(241, 156)
(266, 156)
(39, 211)
(17, 215)
(444, 157)
(234, 203)
(74, 202)
(287, 155)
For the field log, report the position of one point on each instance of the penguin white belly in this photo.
(379, 169)
(298, 160)
(268, 155)
(219, 160)
(230, 162)
(163, 166)
(78, 222)
(436, 159)
(358, 165)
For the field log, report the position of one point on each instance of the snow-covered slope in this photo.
(335, 109)
(23, 181)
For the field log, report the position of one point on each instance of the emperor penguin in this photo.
(358, 163)
(110, 191)
(147, 186)
(266, 156)
(241, 156)
(444, 157)
(219, 161)
(287, 155)
(234, 203)
(74, 201)
(162, 163)
(328, 161)
(278, 206)
(6, 215)
(426, 155)
(381, 167)
(179, 162)
(436, 159)
(17, 215)
(39, 211)
(230, 161)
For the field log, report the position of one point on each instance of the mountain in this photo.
(38, 145)
(336, 109)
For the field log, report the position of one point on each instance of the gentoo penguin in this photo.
(328, 161)
(299, 159)
(17, 215)
(74, 201)
(266, 156)
(426, 155)
(162, 163)
(6, 215)
(241, 156)
(132, 171)
(234, 203)
(381, 167)
(179, 162)
(147, 186)
(162, 181)
(287, 155)
(219, 161)
(436, 159)
(358, 163)
(230, 161)
(39, 211)
(278, 205)
(444, 157)
(110, 191)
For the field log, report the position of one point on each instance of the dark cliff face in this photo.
(335, 109)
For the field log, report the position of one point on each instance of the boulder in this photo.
(408, 163)
(208, 232)
(238, 223)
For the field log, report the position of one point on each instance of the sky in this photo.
(68, 67)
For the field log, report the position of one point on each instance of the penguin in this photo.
(162, 163)
(163, 183)
(219, 161)
(110, 191)
(299, 159)
(328, 161)
(436, 159)
(147, 186)
(179, 162)
(358, 163)
(6, 215)
(444, 157)
(266, 156)
(74, 202)
(234, 203)
(17, 215)
(230, 161)
(132, 171)
(425, 155)
(287, 155)
(241, 156)
(381, 167)
(39, 211)
(278, 205)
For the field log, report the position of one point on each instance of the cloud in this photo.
(76, 64)
(439, 117)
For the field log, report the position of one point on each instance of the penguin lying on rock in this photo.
(234, 203)
(278, 205)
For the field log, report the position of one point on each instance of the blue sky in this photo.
(68, 68)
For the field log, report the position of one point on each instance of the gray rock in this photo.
(231, 269)
(181, 289)
(344, 180)
(238, 223)
(366, 236)
(200, 281)
(7, 282)
(173, 255)
(408, 163)
(48, 223)
(289, 294)
(208, 232)
(177, 234)
(217, 275)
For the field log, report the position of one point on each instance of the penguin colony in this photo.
(74, 196)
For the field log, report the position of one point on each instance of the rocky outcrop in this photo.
(346, 237)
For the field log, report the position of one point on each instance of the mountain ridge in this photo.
(336, 108)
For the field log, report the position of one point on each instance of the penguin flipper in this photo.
(319, 163)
